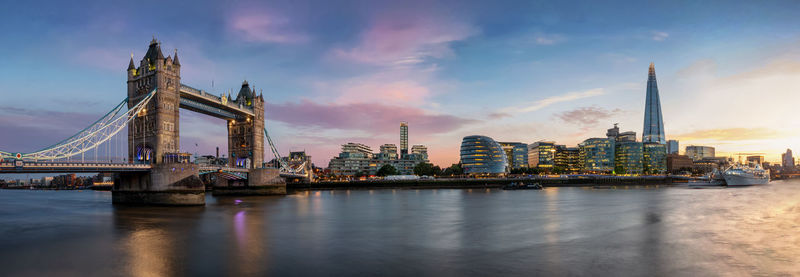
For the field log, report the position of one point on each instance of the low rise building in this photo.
(677, 164)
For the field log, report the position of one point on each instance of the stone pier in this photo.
(260, 181)
(173, 184)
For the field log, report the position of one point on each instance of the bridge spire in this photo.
(175, 60)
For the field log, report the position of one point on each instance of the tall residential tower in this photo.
(653, 122)
(403, 139)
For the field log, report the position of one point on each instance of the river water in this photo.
(638, 231)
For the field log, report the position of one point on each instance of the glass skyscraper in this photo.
(482, 155)
(653, 122)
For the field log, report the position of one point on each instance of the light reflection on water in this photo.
(646, 230)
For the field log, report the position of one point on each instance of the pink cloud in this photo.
(373, 117)
(262, 26)
(399, 40)
(394, 91)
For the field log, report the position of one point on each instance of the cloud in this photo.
(498, 115)
(731, 134)
(398, 41)
(264, 27)
(660, 36)
(548, 39)
(587, 116)
(373, 118)
(538, 105)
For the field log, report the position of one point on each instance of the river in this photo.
(636, 231)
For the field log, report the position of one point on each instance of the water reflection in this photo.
(646, 230)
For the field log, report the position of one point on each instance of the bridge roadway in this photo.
(203, 102)
(70, 167)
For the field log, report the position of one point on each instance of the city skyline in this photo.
(448, 74)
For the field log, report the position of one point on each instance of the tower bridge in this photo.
(155, 171)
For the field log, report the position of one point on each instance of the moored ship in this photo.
(746, 176)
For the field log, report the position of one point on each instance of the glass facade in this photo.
(653, 122)
(482, 155)
(516, 154)
(699, 152)
(568, 158)
(673, 146)
(654, 158)
(628, 158)
(541, 154)
(597, 155)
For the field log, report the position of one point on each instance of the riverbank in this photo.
(469, 183)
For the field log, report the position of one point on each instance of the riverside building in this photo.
(482, 155)
(628, 158)
(654, 158)
(568, 158)
(541, 154)
(699, 152)
(516, 154)
(597, 155)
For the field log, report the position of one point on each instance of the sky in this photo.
(333, 72)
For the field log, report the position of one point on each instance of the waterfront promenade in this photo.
(454, 183)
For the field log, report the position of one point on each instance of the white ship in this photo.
(746, 176)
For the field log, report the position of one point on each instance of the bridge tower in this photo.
(155, 131)
(246, 135)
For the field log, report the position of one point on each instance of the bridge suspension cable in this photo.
(89, 138)
(284, 165)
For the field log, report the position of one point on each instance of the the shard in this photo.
(653, 122)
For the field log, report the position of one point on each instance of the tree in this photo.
(387, 170)
(360, 174)
(424, 168)
(454, 170)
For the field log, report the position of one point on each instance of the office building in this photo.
(673, 147)
(628, 158)
(568, 158)
(482, 155)
(614, 133)
(787, 161)
(653, 122)
(516, 154)
(677, 164)
(654, 158)
(597, 155)
(755, 160)
(541, 154)
(696, 152)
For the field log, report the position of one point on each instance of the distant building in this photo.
(482, 155)
(420, 150)
(357, 158)
(615, 134)
(597, 155)
(628, 158)
(403, 138)
(568, 158)
(787, 160)
(677, 164)
(541, 154)
(696, 152)
(706, 165)
(673, 147)
(654, 158)
(755, 159)
(387, 152)
(516, 154)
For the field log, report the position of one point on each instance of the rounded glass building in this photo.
(482, 155)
